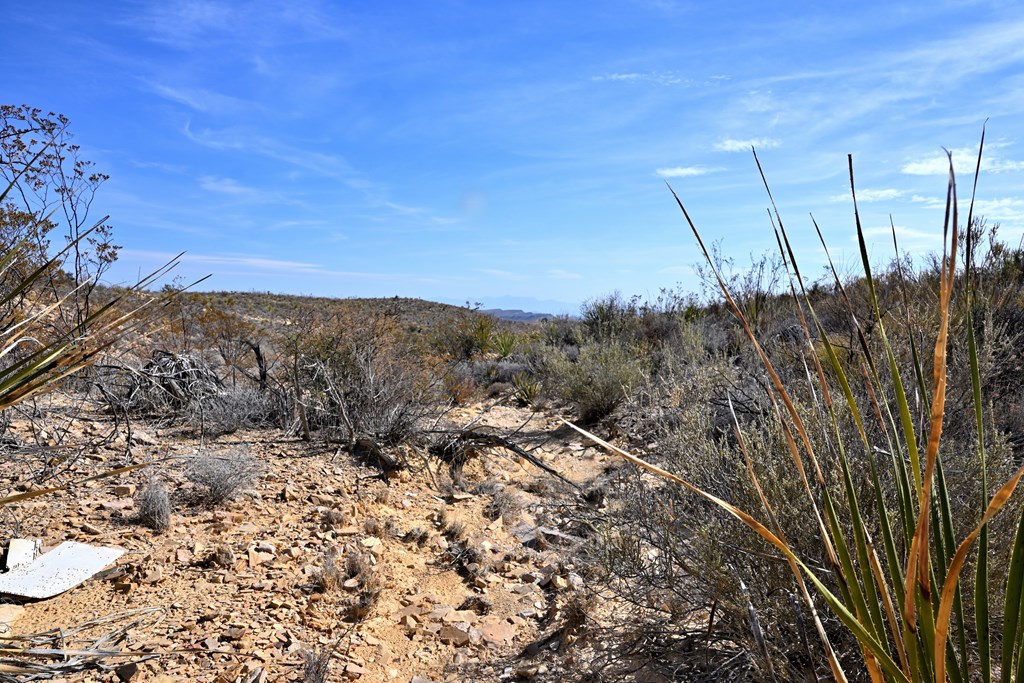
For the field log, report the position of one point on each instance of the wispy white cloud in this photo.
(202, 100)
(654, 77)
(870, 195)
(329, 165)
(236, 139)
(929, 202)
(249, 263)
(178, 169)
(965, 160)
(683, 171)
(963, 164)
(734, 145)
(905, 236)
(263, 23)
(1005, 210)
(228, 186)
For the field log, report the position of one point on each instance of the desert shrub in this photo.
(597, 382)
(610, 318)
(153, 505)
(836, 479)
(560, 332)
(464, 335)
(363, 378)
(237, 407)
(223, 476)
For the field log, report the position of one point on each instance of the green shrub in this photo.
(597, 381)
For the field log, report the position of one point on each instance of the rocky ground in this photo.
(322, 562)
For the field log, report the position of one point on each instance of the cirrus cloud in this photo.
(734, 145)
(683, 171)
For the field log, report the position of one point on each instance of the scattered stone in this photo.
(90, 529)
(155, 575)
(8, 615)
(143, 439)
(497, 632)
(460, 616)
(452, 635)
(126, 672)
(353, 670)
(119, 504)
(256, 558)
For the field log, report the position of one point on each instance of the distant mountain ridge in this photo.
(515, 314)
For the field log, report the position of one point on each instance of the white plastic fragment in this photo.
(22, 551)
(61, 569)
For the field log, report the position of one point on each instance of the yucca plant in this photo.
(505, 343)
(902, 595)
(33, 360)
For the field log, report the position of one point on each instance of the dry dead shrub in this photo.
(316, 666)
(333, 518)
(222, 476)
(362, 378)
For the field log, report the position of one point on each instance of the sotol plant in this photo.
(902, 596)
(34, 358)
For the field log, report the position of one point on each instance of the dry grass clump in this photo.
(328, 576)
(223, 476)
(154, 506)
(356, 574)
(222, 555)
(363, 580)
(316, 666)
(506, 504)
(417, 535)
(333, 518)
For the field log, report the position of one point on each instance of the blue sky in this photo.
(516, 153)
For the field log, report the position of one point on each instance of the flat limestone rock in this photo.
(61, 569)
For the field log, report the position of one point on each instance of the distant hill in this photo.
(515, 314)
(278, 311)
